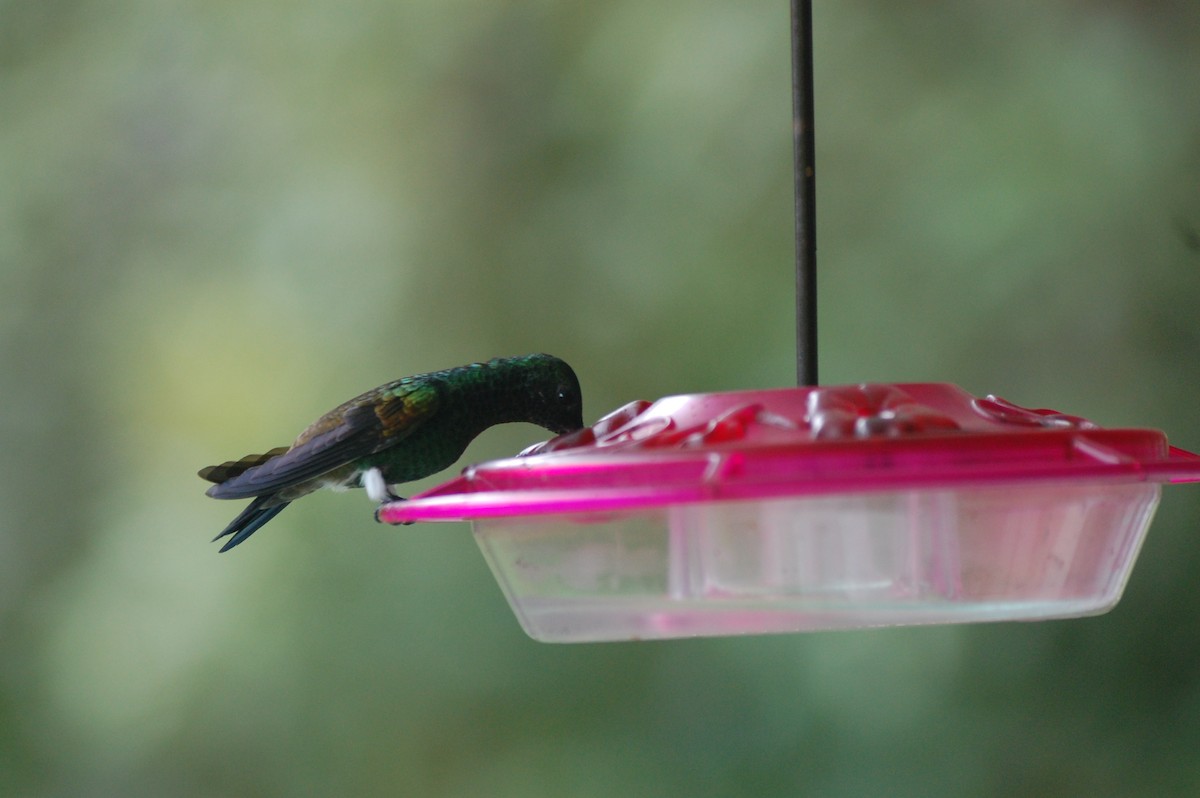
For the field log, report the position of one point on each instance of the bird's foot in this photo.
(376, 486)
(392, 498)
(379, 491)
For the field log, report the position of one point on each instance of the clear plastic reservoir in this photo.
(826, 562)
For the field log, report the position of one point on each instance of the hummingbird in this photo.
(403, 430)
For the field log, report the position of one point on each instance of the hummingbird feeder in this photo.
(807, 508)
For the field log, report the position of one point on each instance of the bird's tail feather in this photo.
(250, 520)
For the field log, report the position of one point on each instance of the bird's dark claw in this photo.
(391, 498)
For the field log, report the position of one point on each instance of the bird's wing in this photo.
(231, 468)
(364, 425)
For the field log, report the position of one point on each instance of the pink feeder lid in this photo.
(797, 442)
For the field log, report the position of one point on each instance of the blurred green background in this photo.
(218, 220)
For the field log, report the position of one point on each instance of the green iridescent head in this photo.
(552, 398)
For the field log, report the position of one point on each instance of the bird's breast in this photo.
(425, 452)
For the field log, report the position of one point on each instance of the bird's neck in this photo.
(485, 394)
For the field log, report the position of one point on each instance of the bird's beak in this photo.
(568, 429)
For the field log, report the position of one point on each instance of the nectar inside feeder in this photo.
(801, 509)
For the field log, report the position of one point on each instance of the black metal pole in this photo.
(804, 143)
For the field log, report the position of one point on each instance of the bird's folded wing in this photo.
(355, 430)
(231, 468)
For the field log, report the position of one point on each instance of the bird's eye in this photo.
(565, 395)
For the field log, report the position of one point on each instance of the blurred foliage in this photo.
(219, 220)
